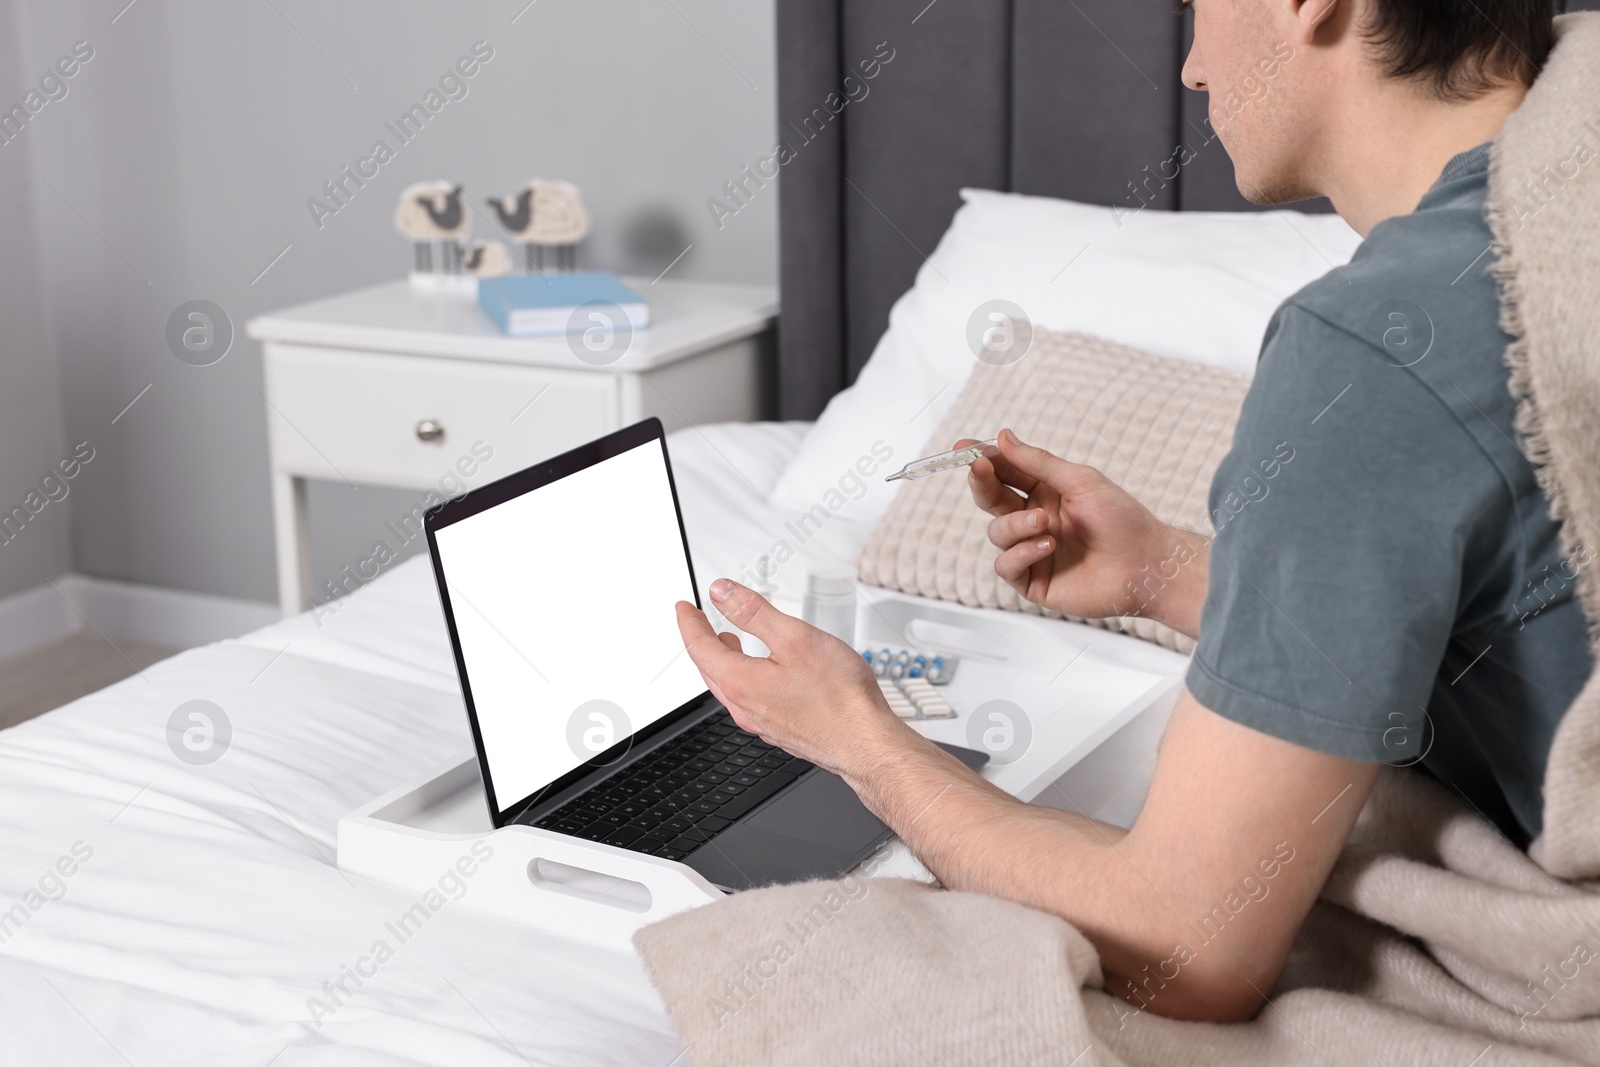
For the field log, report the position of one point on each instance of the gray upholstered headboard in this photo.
(1069, 98)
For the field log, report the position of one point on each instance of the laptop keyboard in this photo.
(683, 794)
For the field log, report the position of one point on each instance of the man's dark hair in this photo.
(1462, 48)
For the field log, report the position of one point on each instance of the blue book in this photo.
(529, 305)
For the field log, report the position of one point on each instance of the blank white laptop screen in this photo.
(562, 596)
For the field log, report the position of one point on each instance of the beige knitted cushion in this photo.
(1157, 427)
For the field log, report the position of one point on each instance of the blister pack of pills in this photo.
(895, 665)
(915, 698)
(908, 680)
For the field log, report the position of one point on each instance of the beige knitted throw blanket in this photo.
(1435, 941)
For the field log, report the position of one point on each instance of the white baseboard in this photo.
(153, 614)
(35, 617)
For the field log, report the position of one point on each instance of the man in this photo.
(1399, 598)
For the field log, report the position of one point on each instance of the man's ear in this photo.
(1314, 13)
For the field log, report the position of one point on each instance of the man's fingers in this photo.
(1017, 526)
(1029, 466)
(731, 639)
(1007, 471)
(988, 492)
(1013, 563)
(750, 612)
(714, 658)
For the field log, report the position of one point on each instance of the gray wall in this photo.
(32, 440)
(180, 163)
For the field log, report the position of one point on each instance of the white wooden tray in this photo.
(1073, 701)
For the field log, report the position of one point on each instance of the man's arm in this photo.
(1192, 911)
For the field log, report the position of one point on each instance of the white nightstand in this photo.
(392, 386)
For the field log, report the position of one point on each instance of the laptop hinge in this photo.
(543, 806)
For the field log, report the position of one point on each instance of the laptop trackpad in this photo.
(823, 810)
(816, 829)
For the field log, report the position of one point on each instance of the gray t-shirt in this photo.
(1386, 581)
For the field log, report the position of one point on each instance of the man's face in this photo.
(1246, 57)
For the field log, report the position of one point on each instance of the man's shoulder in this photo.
(1416, 312)
(1413, 275)
(1397, 349)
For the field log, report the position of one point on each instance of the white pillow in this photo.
(1199, 286)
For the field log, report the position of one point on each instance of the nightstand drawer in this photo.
(407, 420)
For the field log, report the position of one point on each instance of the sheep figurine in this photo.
(431, 212)
(486, 259)
(545, 214)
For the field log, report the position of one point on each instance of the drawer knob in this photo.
(430, 431)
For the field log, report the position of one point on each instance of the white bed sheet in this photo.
(211, 912)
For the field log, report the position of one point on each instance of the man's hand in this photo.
(1072, 540)
(813, 697)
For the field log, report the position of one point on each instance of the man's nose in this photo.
(1193, 75)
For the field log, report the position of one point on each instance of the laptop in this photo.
(558, 585)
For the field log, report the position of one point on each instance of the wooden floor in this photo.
(47, 677)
